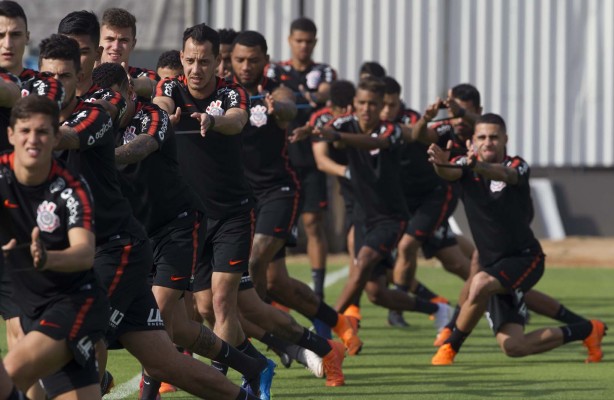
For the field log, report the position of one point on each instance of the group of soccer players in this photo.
(138, 204)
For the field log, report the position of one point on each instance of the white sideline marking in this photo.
(124, 390)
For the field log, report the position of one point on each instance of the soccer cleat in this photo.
(442, 336)
(167, 388)
(266, 380)
(395, 318)
(353, 311)
(311, 361)
(442, 316)
(348, 335)
(332, 364)
(444, 356)
(593, 341)
(107, 383)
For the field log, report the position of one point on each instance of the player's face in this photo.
(462, 128)
(117, 44)
(490, 142)
(302, 44)
(65, 72)
(167, 72)
(199, 64)
(392, 106)
(90, 52)
(225, 67)
(248, 64)
(34, 139)
(368, 106)
(13, 40)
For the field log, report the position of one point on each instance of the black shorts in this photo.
(430, 211)
(383, 235)
(175, 249)
(225, 248)
(278, 217)
(122, 267)
(8, 308)
(81, 319)
(314, 191)
(518, 274)
(442, 238)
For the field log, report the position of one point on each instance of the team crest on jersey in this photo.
(129, 134)
(46, 218)
(258, 116)
(215, 108)
(313, 79)
(57, 185)
(497, 186)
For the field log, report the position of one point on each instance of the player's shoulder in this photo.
(343, 121)
(516, 162)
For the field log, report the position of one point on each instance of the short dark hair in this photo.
(227, 36)
(202, 33)
(392, 86)
(11, 9)
(467, 92)
(303, 24)
(60, 47)
(251, 39)
(26, 106)
(119, 18)
(108, 74)
(372, 84)
(372, 68)
(494, 119)
(342, 93)
(81, 23)
(170, 59)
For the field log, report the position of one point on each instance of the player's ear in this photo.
(11, 135)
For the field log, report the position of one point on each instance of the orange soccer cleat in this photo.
(332, 364)
(444, 356)
(593, 341)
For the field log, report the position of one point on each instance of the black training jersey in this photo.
(499, 214)
(212, 165)
(59, 204)
(112, 97)
(154, 187)
(375, 173)
(417, 174)
(265, 153)
(137, 72)
(301, 153)
(5, 112)
(95, 160)
(319, 119)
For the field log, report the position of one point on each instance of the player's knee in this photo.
(374, 294)
(479, 288)
(513, 347)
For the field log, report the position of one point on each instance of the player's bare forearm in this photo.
(79, 256)
(69, 139)
(231, 123)
(324, 162)
(496, 172)
(363, 142)
(135, 151)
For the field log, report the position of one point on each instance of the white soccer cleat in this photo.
(442, 316)
(312, 362)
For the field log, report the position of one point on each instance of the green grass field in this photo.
(395, 363)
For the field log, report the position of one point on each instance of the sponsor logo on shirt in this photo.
(57, 185)
(72, 204)
(46, 219)
(258, 116)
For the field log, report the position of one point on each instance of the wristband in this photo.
(211, 122)
(347, 174)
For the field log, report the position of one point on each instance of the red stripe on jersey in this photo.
(195, 229)
(526, 273)
(515, 163)
(120, 269)
(77, 186)
(314, 116)
(76, 326)
(8, 159)
(92, 116)
(444, 208)
(389, 129)
(297, 183)
(155, 122)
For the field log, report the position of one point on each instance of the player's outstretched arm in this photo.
(137, 150)
(325, 163)
(231, 123)
(364, 142)
(439, 158)
(79, 256)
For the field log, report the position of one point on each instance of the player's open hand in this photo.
(205, 120)
(38, 250)
(437, 155)
(300, 133)
(176, 117)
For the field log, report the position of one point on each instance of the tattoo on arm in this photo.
(205, 342)
(69, 139)
(136, 150)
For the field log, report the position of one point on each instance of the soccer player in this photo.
(48, 217)
(312, 79)
(118, 39)
(227, 37)
(498, 204)
(124, 255)
(373, 154)
(169, 64)
(275, 186)
(214, 113)
(430, 201)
